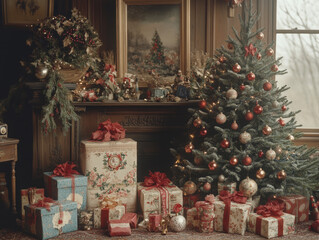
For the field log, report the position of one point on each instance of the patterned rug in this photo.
(302, 232)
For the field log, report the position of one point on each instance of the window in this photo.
(297, 40)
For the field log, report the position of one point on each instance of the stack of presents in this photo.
(108, 197)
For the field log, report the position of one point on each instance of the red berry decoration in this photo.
(258, 109)
(202, 104)
(267, 86)
(242, 87)
(249, 116)
(212, 165)
(283, 108)
(236, 68)
(233, 161)
(203, 132)
(281, 122)
(247, 161)
(251, 76)
(258, 56)
(274, 68)
(189, 147)
(207, 186)
(225, 143)
(260, 154)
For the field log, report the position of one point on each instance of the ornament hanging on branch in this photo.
(281, 175)
(189, 148)
(270, 52)
(260, 154)
(230, 46)
(249, 116)
(278, 150)
(202, 104)
(258, 56)
(260, 174)
(258, 109)
(203, 132)
(267, 130)
(250, 76)
(224, 143)
(270, 154)
(281, 122)
(189, 187)
(242, 87)
(283, 108)
(248, 187)
(207, 187)
(231, 93)
(212, 165)
(197, 122)
(41, 71)
(233, 161)
(290, 137)
(222, 59)
(260, 35)
(234, 126)
(244, 137)
(247, 161)
(274, 68)
(221, 118)
(236, 68)
(221, 178)
(198, 160)
(267, 86)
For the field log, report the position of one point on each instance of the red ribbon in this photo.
(273, 208)
(108, 131)
(227, 198)
(64, 170)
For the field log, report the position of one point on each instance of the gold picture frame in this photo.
(26, 12)
(183, 15)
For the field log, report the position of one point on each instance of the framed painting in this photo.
(26, 12)
(153, 36)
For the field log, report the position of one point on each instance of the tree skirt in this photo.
(302, 232)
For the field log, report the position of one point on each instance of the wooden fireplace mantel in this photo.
(152, 124)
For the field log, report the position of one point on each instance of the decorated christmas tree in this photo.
(243, 126)
(157, 50)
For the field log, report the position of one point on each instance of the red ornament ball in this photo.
(267, 130)
(202, 104)
(258, 56)
(234, 125)
(207, 187)
(212, 165)
(203, 132)
(258, 109)
(251, 76)
(233, 161)
(249, 116)
(260, 154)
(281, 122)
(236, 68)
(267, 86)
(283, 108)
(197, 122)
(189, 147)
(224, 143)
(242, 87)
(247, 160)
(274, 68)
(281, 175)
(270, 52)
(197, 160)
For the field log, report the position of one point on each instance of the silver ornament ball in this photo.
(221, 178)
(41, 71)
(177, 223)
(270, 154)
(244, 137)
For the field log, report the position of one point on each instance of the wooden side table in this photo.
(8, 152)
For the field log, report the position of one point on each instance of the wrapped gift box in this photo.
(103, 216)
(237, 218)
(111, 170)
(130, 218)
(297, 205)
(37, 194)
(61, 218)
(192, 219)
(85, 219)
(270, 227)
(119, 229)
(228, 186)
(189, 201)
(150, 199)
(60, 188)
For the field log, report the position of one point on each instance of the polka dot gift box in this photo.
(297, 205)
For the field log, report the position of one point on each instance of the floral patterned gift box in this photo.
(231, 213)
(111, 170)
(228, 186)
(47, 219)
(269, 221)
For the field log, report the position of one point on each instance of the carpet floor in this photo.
(302, 232)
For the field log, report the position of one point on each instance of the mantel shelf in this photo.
(135, 103)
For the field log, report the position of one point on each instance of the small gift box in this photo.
(119, 229)
(315, 226)
(30, 196)
(158, 195)
(48, 218)
(297, 205)
(130, 218)
(226, 186)
(103, 216)
(201, 217)
(231, 213)
(269, 221)
(154, 222)
(85, 219)
(65, 183)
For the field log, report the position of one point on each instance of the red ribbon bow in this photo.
(227, 198)
(44, 203)
(108, 131)
(272, 208)
(65, 170)
(156, 179)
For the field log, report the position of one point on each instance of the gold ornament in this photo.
(270, 52)
(197, 122)
(290, 137)
(260, 35)
(281, 175)
(41, 71)
(189, 187)
(260, 174)
(248, 187)
(278, 150)
(267, 130)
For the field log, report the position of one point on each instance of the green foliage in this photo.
(211, 84)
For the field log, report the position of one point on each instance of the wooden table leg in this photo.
(13, 178)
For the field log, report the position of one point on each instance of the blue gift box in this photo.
(47, 224)
(61, 188)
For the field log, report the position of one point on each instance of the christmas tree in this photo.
(243, 126)
(157, 50)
